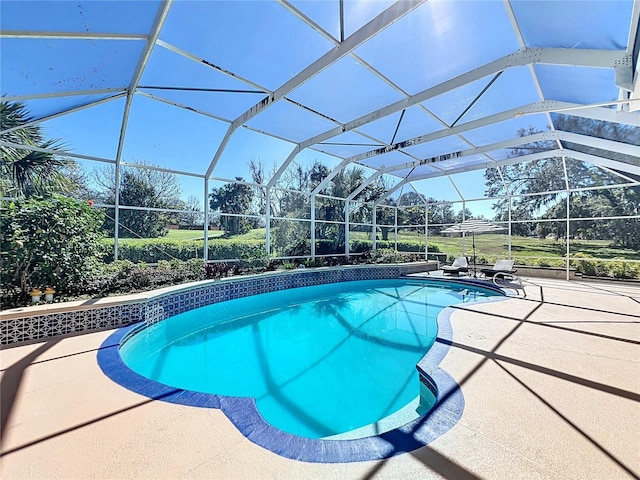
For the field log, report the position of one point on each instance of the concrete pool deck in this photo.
(551, 385)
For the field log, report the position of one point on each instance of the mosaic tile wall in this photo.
(40, 327)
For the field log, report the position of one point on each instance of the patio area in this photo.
(551, 385)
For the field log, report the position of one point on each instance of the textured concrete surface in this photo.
(551, 384)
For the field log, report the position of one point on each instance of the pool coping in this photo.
(244, 414)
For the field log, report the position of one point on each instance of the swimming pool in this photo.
(319, 361)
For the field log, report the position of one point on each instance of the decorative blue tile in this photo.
(160, 308)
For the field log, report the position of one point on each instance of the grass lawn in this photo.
(173, 235)
(493, 245)
(490, 246)
(192, 234)
(496, 246)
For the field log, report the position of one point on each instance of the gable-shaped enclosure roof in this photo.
(410, 90)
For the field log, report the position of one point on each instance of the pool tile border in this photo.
(243, 412)
(32, 324)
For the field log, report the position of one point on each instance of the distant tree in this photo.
(385, 217)
(135, 191)
(412, 215)
(292, 237)
(193, 219)
(412, 198)
(139, 187)
(547, 175)
(236, 199)
(24, 172)
(462, 215)
(342, 185)
(317, 174)
(260, 176)
(439, 214)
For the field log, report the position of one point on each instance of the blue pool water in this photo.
(319, 360)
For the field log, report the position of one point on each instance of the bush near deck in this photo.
(48, 242)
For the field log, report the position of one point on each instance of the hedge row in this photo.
(615, 268)
(606, 268)
(156, 250)
(360, 246)
(153, 252)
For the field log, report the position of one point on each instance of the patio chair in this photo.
(459, 265)
(503, 274)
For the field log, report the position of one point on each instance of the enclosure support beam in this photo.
(346, 228)
(395, 228)
(206, 220)
(525, 56)
(116, 213)
(70, 35)
(374, 228)
(426, 233)
(633, 166)
(39, 96)
(567, 200)
(597, 113)
(163, 11)
(510, 200)
(464, 234)
(207, 63)
(313, 227)
(362, 35)
(63, 112)
(568, 225)
(267, 221)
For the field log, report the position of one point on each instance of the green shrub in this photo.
(594, 267)
(310, 263)
(154, 250)
(52, 242)
(251, 252)
(622, 269)
(388, 255)
(362, 246)
(585, 264)
(257, 262)
(125, 276)
(543, 262)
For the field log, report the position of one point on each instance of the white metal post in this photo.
(568, 224)
(206, 219)
(313, 227)
(509, 198)
(426, 232)
(374, 228)
(346, 228)
(567, 193)
(464, 235)
(267, 219)
(395, 227)
(116, 214)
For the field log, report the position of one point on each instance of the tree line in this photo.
(525, 179)
(37, 172)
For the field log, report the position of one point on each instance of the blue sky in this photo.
(263, 42)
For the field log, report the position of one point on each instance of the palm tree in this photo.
(26, 172)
